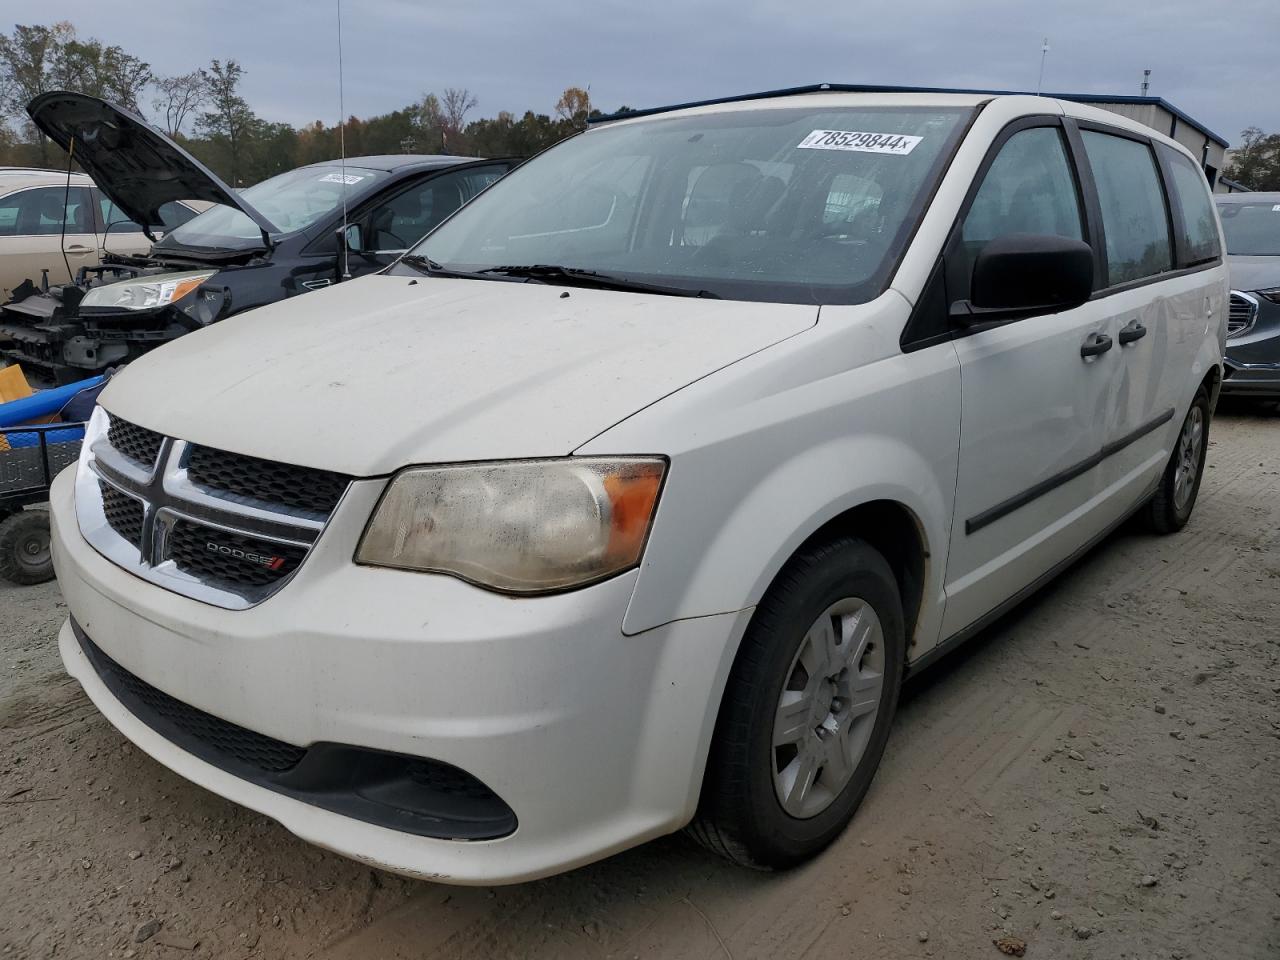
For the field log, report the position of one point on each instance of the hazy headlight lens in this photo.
(522, 526)
(146, 293)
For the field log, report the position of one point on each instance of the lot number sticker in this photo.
(349, 179)
(856, 140)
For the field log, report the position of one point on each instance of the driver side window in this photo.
(1028, 188)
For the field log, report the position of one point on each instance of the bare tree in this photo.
(454, 107)
(179, 98)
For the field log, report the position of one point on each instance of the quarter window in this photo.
(1028, 188)
(1198, 222)
(1134, 216)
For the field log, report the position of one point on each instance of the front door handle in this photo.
(78, 249)
(1132, 333)
(1095, 345)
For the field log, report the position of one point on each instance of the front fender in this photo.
(767, 451)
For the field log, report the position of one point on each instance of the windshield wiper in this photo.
(592, 278)
(431, 268)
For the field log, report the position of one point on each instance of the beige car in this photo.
(31, 226)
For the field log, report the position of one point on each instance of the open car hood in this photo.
(134, 164)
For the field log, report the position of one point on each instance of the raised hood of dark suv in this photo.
(383, 372)
(134, 164)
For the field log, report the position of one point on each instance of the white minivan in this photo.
(628, 498)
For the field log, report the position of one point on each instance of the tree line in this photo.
(206, 112)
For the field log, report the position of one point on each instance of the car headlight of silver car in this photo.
(1272, 294)
(520, 526)
(145, 293)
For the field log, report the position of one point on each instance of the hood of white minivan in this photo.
(379, 373)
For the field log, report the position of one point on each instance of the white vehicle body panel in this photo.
(444, 370)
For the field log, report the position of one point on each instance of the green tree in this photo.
(27, 61)
(86, 66)
(229, 120)
(1257, 163)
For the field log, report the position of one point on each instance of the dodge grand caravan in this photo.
(664, 462)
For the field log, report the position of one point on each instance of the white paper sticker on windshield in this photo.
(1275, 208)
(857, 140)
(348, 179)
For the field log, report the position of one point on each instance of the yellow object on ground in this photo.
(13, 386)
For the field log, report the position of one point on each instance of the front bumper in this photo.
(1260, 380)
(595, 740)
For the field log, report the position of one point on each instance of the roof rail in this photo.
(890, 88)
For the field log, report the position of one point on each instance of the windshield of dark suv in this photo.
(292, 201)
(1252, 229)
(776, 203)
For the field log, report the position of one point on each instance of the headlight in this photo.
(146, 293)
(525, 526)
(1272, 294)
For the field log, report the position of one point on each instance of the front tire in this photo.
(807, 709)
(1170, 508)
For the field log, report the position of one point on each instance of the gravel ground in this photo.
(1098, 775)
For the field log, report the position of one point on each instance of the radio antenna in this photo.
(1044, 52)
(342, 153)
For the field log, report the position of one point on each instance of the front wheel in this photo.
(807, 709)
(1170, 508)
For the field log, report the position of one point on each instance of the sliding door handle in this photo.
(1095, 345)
(1132, 333)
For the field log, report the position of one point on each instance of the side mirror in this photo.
(350, 238)
(1026, 275)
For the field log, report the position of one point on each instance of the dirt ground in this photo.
(1098, 776)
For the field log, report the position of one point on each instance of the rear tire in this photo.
(1170, 508)
(25, 557)
(807, 709)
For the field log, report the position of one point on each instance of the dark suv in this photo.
(278, 238)
(1251, 222)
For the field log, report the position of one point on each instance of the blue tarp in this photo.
(42, 403)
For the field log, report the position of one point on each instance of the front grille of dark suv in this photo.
(1242, 311)
(415, 795)
(221, 527)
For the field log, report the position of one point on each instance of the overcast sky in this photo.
(1218, 60)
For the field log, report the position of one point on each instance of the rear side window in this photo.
(1134, 216)
(1191, 191)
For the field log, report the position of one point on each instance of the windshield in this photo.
(1252, 229)
(777, 204)
(292, 201)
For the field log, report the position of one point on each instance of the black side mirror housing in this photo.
(1026, 275)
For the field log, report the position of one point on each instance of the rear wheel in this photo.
(807, 709)
(25, 555)
(1175, 498)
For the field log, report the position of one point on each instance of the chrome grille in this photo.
(139, 444)
(1242, 311)
(123, 513)
(219, 527)
(299, 488)
(229, 558)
